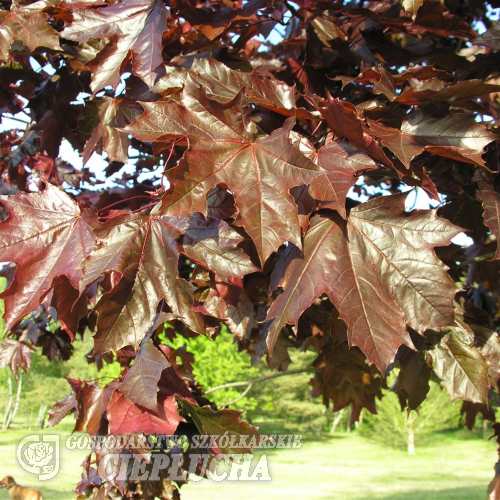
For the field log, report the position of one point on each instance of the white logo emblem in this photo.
(39, 455)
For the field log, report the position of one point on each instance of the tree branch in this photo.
(479, 258)
(260, 379)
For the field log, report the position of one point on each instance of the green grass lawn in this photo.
(454, 466)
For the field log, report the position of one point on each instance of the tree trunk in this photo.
(411, 438)
(485, 429)
(13, 413)
(336, 420)
(41, 416)
(9, 405)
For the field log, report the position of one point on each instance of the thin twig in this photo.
(105, 209)
(239, 398)
(16, 119)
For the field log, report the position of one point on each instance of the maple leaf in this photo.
(491, 204)
(62, 408)
(432, 17)
(224, 150)
(399, 143)
(69, 304)
(134, 29)
(383, 82)
(462, 368)
(222, 422)
(461, 90)
(341, 162)
(126, 418)
(47, 235)
(140, 385)
(455, 136)
(490, 38)
(345, 121)
(473, 328)
(29, 24)
(144, 250)
(15, 355)
(240, 318)
(223, 84)
(102, 117)
(214, 21)
(414, 377)
(471, 410)
(327, 30)
(220, 204)
(56, 344)
(411, 6)
(213, 244)
(378, 269)
(344, 377)
(487, 342)
(92, 403)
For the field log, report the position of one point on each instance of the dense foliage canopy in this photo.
(264, 188)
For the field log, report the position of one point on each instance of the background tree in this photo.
(400, 429)
(169, 171)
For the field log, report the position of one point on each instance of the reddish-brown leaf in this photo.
(15, 355)
(378, 269)
(140, 385)
(71, 307)
(414, 377)
(461, 90)
(29, 24)
(344, 378)
(224, 149)
(400, 144)
(62, 408)
(134, 29)
(240, 318)
(47, 235)
(126, 418)
(383, 82)
(340, 162)
(92, 403)
(455, 136)
(432, 17)
(223, 84)
(345, 122)
(144, 250)
(471, 410)
(102, 117)
(491, 204)
(213, 21)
